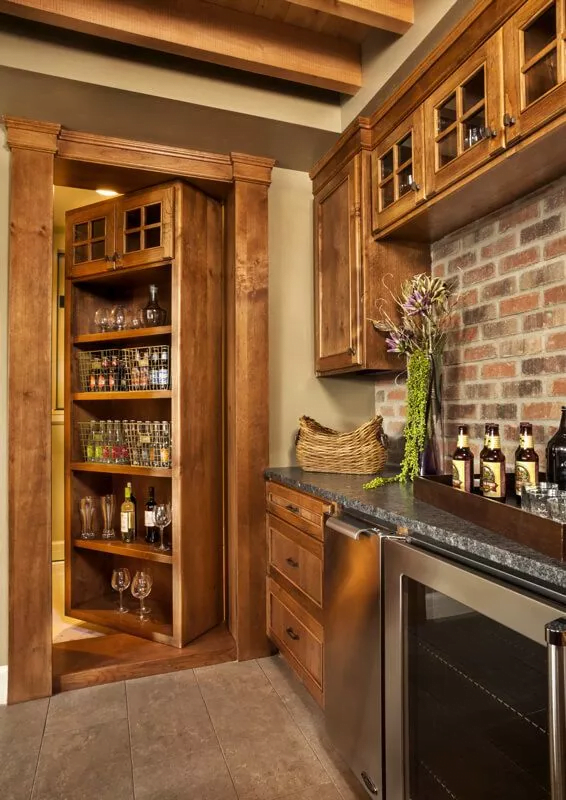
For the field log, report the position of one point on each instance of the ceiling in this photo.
(65, 198)
(313, 42)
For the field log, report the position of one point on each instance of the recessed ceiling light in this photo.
(107, 192)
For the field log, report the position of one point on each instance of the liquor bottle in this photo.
(526, 459)
(154, 369)
(165, 445)
(98, 444)
(151, 531)
(463, 462)
(556, 454)
(106, 431)
(103, 375)
(144, 369)
(492, 475)
(117, 444)
(93, 375)
(91, 444)
(113, 378)
(153, 314)
(164, 369)
(128, 516)
(135, 371)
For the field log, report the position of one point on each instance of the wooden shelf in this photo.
(147, 552)
(102, 611)
(119, 336)
(149, 394)
(126, 277)
(121, 469)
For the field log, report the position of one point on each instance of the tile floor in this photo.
(247, 731)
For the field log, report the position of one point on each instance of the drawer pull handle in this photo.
(292, 562)
(293, 509)
(291, 633)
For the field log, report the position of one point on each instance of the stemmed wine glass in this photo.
(141, 587)
(102, 319)
(120, 581)
(162, 520)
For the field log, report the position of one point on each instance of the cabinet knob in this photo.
(292, 562)
(292, 635)
(490, 133)
(509, 120)
(352, 351)
(414, 186)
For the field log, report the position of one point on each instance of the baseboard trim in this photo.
(3, 685)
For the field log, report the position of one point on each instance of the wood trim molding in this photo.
(396, 16)
(356, 137)
(26, 134)
(252, 169)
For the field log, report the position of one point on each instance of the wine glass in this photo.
(162, 520)
(102, 319)
(137, 320)
(118, 318)
(120, 581)
(141, 587)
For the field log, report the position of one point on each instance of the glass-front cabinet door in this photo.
(464, 118)
(144, 227)
(89, 235)
(398, 172)
(535, 69)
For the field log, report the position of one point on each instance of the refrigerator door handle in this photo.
(348, 526)
(556, 643)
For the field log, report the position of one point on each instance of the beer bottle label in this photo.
(493, 479)
(461, 475)
(525, 472)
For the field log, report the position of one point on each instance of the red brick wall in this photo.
(505, 358)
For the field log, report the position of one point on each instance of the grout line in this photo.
(216, 735)
(39, 749)
(130, 740)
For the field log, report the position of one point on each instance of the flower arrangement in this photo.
(425, 305)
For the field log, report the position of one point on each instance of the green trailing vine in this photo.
(418, 366)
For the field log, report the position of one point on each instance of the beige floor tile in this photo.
(202, 775)
(83, 708)
(233, 680)
(21, 731)
(326, 792)
(305, 711)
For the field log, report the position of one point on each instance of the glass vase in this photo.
(431, 460)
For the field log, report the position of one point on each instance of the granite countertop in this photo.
(395, 505)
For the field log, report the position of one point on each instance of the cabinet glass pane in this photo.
(133, 218)
(405, 149)
(405, 180)
(80, 254)
(474, 129)
(541, 78)
(387, 194)
(477, 705)
(133, 242)
(447, 149)
(387, 165)
(446, 113)
(80, 232)
(540, 32)
(473, 91)
(98, 228)
(152, 237)
(153, 214)
(97, 250)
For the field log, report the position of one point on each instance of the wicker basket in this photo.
(359, 452)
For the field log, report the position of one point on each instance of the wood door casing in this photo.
(338, 278)
(403, 203)
(98, 223)
(527, 115)
(488, 57)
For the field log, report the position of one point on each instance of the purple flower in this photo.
(417, 303)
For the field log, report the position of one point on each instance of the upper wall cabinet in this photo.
(398, 172)
(464, 118)
(128, 231)
(338, 302)
(535, 68)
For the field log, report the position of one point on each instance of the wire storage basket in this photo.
(141, 444)
(127, 369)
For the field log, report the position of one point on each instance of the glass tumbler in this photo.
(540, 501)
(557, 507)
(108, 506)
(526, 490)
(86, 507)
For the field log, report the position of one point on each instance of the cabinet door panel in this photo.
(398, 179)
(338, 271)
(89, 239)
(144, 227)
(535, 68)
(464, 118)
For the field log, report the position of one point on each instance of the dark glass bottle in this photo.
(492, 473)
(526, 459)
(556, 454)
(151, 531)
(463, 462)
(485, 438)
(153, 314)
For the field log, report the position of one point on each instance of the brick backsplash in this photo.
(505, 358)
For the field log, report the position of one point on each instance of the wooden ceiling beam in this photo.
(201, 30)
(388, 15)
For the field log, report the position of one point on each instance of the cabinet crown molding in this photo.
(253, 169)
(28, 134)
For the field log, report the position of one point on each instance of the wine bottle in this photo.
(151, 531)
(135, 502)
(128, 517)
(154, 369)
(556, 454)
(164, 369)
(526, 459)
(153, 314)
(492, 474)
(463, 462)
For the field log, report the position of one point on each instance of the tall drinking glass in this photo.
(86, 507)
(108, 506)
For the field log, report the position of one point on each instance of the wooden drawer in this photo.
(302, 510)
(297, 556)
(298, 636)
